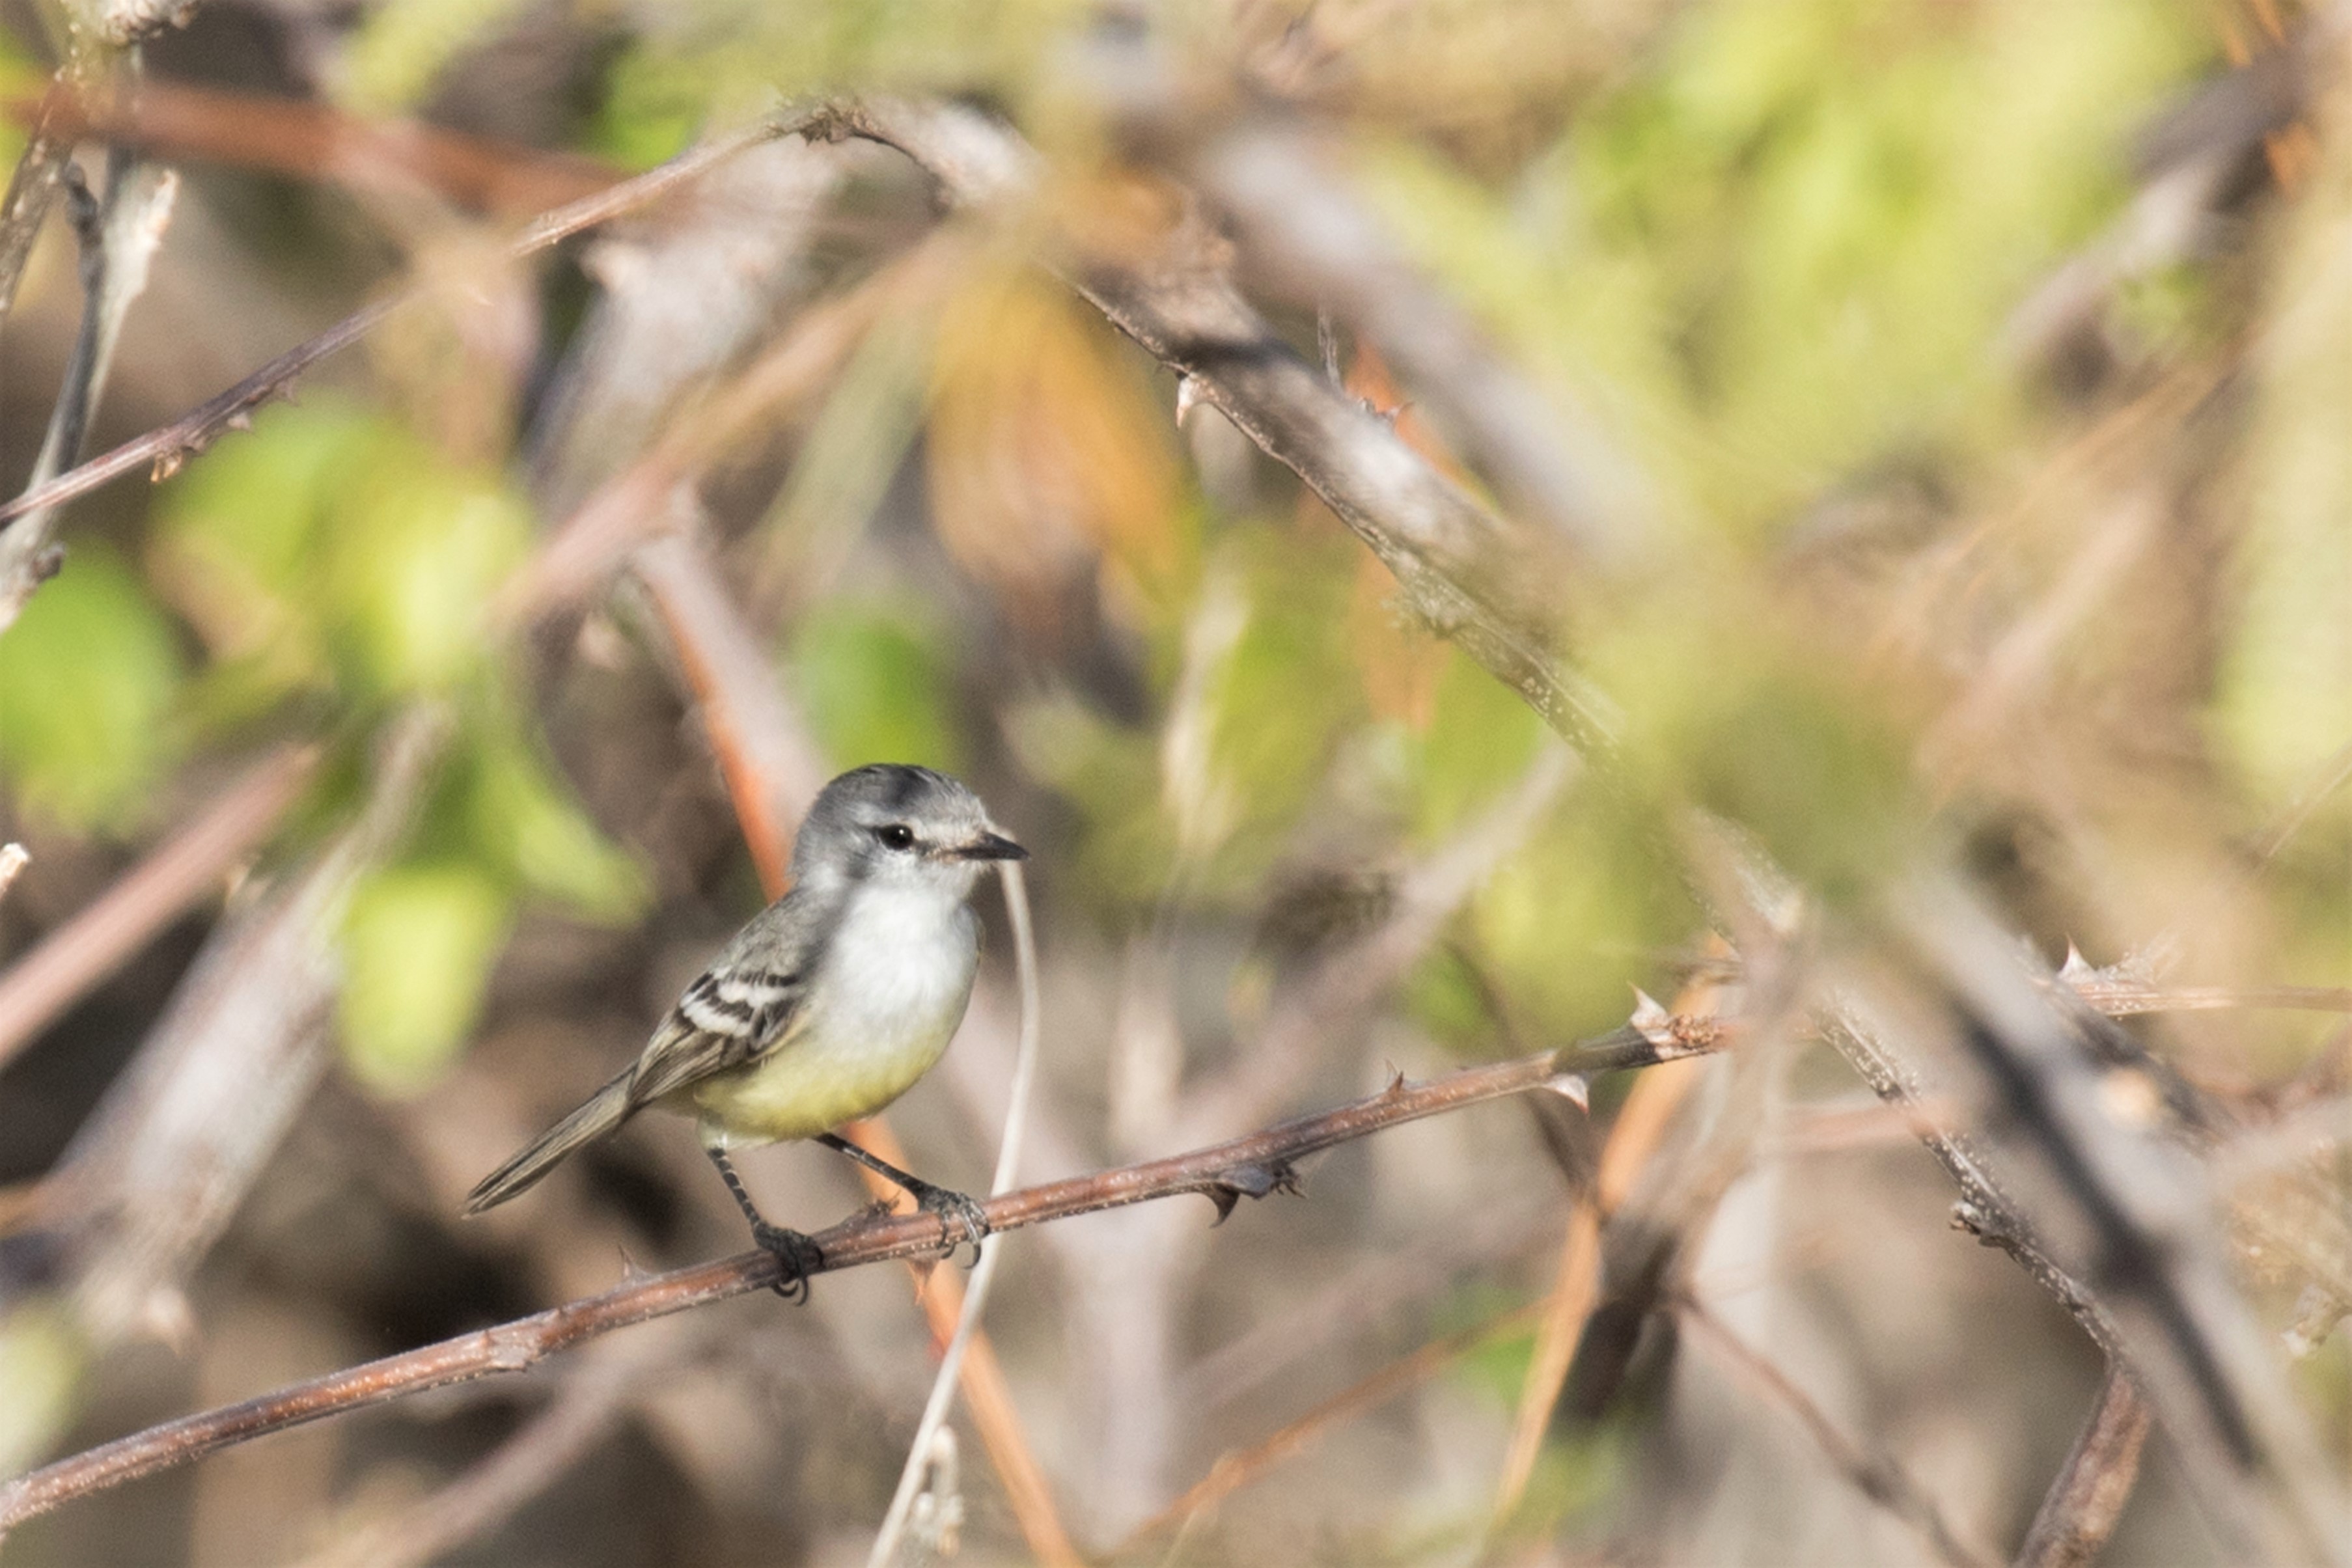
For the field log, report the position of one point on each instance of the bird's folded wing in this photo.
(725, 1019)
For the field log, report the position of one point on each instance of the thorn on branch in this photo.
(1251, 1180)
(1575, 1087)
(1981, 1223)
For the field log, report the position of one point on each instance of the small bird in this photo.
(827, 1006)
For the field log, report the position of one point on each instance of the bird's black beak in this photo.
(991, 847)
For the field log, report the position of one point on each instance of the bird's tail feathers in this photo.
(605, 1110)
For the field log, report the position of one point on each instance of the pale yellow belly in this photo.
(804, 1089)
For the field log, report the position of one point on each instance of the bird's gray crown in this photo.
(893, 820)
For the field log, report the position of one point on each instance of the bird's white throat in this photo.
(899, 965)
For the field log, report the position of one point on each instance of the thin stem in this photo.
(1877, 1477)
(1008, 1162)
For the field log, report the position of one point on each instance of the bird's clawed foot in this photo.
(796, 1256)
(962, 1218)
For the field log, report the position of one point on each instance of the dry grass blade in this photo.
(1056, 1548)
(316, 142)
(119, 234)
(40, 169)
(1641, 1123)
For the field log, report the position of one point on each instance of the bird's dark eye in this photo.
(896, 836)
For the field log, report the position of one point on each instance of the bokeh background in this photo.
(1972, 380)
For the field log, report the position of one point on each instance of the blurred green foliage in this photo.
(335, 562)
(89, 679)
(418, 944)
(1786, 247)
(395, 56)
(42, 1353)
(878, 686)
(336, 550)
(725, 57)
(1285, 691)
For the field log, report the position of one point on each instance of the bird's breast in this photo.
(890, 991)
(899, 965)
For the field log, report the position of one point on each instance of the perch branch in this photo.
(1252, 1166)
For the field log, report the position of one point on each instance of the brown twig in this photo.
(1877, 1477)
(164, 450)
(2088, 1498)
(316, 142)
(771, 765)
(2127, 999)
(2128, 1212)
(1252, 1165)
(75, 956)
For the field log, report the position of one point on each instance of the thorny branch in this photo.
(1252, 1166)
(1463, 570)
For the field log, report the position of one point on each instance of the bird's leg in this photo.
(948, 1205)
(796, 1256)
